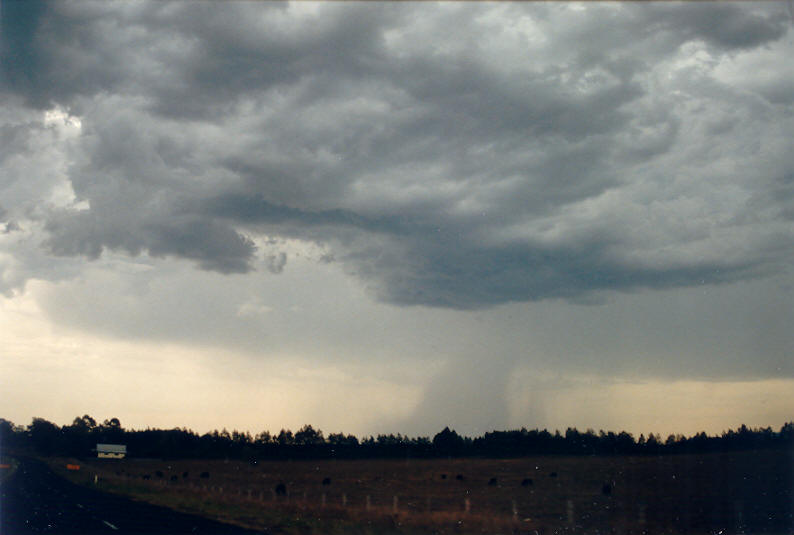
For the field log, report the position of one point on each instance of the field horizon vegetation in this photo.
(521, 481)
(79, 439)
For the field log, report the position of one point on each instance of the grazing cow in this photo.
(174, 478)
(204, 475)
(159, 473)
(492, 482)
(327, 481)
(443, 476)
(526, 482)
(460, 477)
(553, 474)
(281, 489)
(184, 475)
(606, 489)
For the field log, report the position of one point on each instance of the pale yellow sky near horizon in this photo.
(58, 373)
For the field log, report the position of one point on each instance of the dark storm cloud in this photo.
(230, 55)
(728, 26)
(438, 156)
(52, 52)
(19, 54)
(449, 271)
(213, 245)
(256, 210)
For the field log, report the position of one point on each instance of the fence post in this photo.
(738, 512)
(515, 510)
(467, 505)
(394, 505)
(344, 500)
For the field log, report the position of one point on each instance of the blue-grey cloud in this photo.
(729, 26)
(19, 50)
(458, 156)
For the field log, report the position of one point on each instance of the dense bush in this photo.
(80, 438)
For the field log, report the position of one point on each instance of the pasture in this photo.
(7, 467)
(729, 492)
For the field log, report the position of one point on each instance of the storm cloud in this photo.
(509, 157)
(467, 211)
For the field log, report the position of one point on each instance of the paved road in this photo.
(36, 500)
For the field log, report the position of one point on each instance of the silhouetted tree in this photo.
(12, 437)
(264, 438)
(285, 437)
(111, 431)
(45, 437)
(340, 439)
(307, 436)
(80, 437)
(447, 443)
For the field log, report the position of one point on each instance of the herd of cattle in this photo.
(281, 488)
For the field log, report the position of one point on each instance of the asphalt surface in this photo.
(36, 500)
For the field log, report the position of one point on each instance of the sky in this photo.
(396, 217)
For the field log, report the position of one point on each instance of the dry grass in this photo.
(7, 467)
(675, 494)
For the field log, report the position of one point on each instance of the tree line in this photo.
(79, 439)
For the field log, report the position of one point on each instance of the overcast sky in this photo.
(393, 217)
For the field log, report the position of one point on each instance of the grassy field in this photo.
(7, 467)
(733, 493)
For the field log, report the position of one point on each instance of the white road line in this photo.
(110, 525)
